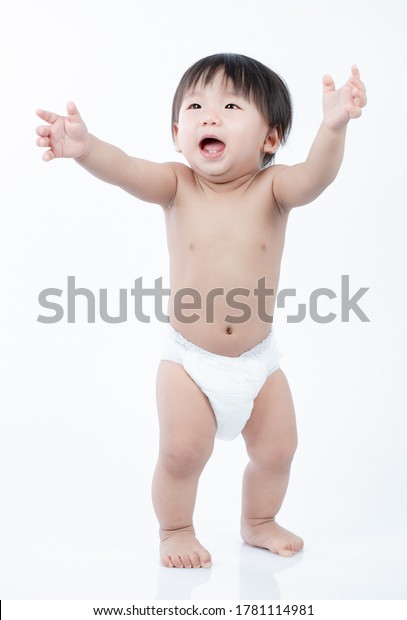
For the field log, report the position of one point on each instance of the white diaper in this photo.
(230, 383)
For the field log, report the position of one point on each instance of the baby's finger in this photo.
(43, 142)
(43, 130)
(361, 85)
(355, 72)
(354, 112)
(359, 97)
(48, 117)
(357, 84)
(327, 83)
(355, 77)
(72, 109)
(48, 155)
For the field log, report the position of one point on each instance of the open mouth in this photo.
(212, 147)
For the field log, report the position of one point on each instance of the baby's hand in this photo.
(65, 136)
(339, 106)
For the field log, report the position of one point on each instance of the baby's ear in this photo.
(272, 141)
(175, 137)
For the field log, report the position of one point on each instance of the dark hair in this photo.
(253, 80)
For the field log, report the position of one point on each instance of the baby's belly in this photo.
(226, 316)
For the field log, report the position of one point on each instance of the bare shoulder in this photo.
(155, 182)
(264, 182)
(184, 177)
(268, 174)
(182, 171)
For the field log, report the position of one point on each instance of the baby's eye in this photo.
(194, 106)
(232, 106)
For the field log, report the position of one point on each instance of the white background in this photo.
(78, 421)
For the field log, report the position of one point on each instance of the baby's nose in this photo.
(210, 118)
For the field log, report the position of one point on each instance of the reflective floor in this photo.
(326, 569)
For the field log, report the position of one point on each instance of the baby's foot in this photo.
(271, 536)
(181, 549)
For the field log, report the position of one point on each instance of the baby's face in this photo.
(222, 135)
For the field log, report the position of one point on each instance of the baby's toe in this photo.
(177, 562)
(286, 553)
(195, 560)
(206, 561)
(186, 562)
(168, 562)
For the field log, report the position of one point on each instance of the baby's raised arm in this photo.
(300, 184)
(68, 136)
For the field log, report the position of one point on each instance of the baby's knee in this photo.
(182, 458)
(273, 456)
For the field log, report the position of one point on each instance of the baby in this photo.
(226, 215)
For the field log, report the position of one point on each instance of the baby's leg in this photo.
(271, 440)
(187, 432)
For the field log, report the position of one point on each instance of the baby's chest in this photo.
(223, 225)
